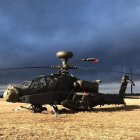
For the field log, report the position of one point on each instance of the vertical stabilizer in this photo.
(125, 80)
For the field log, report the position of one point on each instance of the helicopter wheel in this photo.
(38, 108)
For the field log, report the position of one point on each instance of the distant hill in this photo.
(133, 94)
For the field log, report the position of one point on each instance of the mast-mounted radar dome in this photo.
(64, 54)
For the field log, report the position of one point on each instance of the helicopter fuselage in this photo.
(63, 89)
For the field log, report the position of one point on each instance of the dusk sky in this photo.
(32, 31)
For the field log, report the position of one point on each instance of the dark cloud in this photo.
(31, 32)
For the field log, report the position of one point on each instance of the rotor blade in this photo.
(92, 69)
(23, 68)
(93, 60)
(120, 72)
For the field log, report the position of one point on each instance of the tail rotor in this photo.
(131, 80)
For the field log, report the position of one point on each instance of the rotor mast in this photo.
(64, 67)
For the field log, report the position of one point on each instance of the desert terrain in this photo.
(103, 123)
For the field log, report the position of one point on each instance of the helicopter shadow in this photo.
(116, 109)
(96, 110)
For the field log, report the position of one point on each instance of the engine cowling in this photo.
(87, 86)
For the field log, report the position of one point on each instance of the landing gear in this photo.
(38, 108)
(35, 108)
(55, 110)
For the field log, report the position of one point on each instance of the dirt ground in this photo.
(105, 123)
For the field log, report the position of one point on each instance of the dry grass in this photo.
(106, 123)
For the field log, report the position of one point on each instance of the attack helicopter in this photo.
(62, 88)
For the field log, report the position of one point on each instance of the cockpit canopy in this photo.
(26, 83)
(50, 82)
(38, 82)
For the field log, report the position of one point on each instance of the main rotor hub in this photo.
(64, 56)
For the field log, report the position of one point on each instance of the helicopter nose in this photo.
(11, 94)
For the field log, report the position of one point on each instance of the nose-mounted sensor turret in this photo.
(11, 94)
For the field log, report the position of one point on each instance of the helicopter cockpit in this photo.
(26, 84)
(38, 83)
